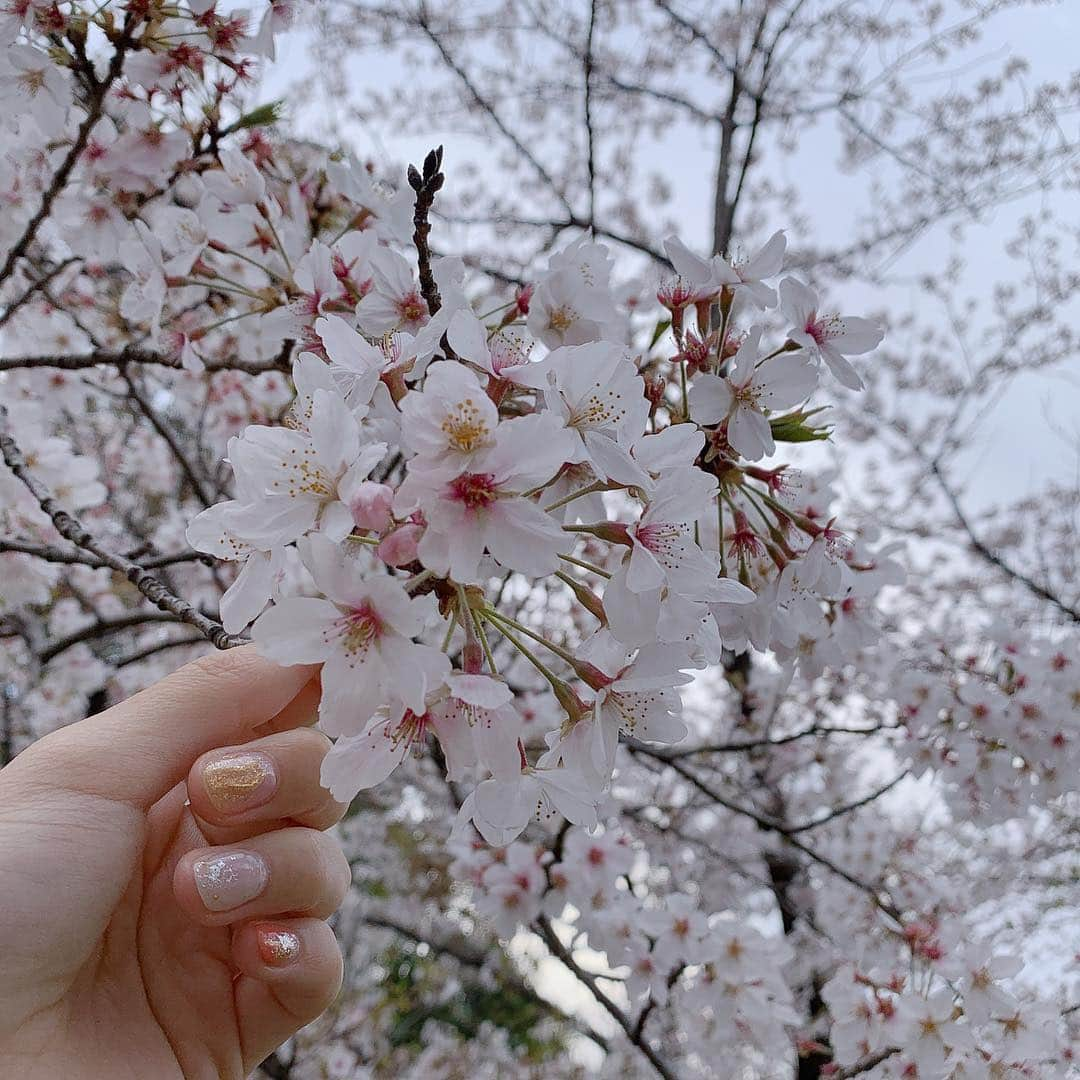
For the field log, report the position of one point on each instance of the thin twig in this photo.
(865, 1064)
(465, 953)
(37, 283)
(558, 949)
(769, 824)
(426, 186)
(847, 808)
(202, 493)
(53, 554)
(136, 355)
(72, 529)
(101, 628)
(94, 110)
(993, 557)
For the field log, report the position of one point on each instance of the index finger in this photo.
(139, 749)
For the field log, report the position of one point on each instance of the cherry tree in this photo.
(658, 761)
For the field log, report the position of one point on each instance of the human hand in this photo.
(164, 878)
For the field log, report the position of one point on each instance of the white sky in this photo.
(1017, 447)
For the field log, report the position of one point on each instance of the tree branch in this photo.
(993, 557)
(426, 186)
(37, 283)
(558, 949)
(477, 958)
(769, 824)
(94, 110)
(202, 493)
(865, 1064)
(589, 134)
(135, 355)
(72, 529)
(58, 555)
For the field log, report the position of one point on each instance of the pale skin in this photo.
(113, 961)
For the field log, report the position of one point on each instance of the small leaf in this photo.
(794, 427)
(262, 115)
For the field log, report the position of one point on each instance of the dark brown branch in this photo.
(136, 355)
(426, 186)
(155, 648)
(53, 554)
(865, 1064)
(993, 557)
(202, 493)
(847, 808)
(94, 109)
(590, 138)
(101, 628)
(489, 110)
(741, 746)
(72, 529)
(769, 824)
(37, 283)
(466, 954)
(558, 949)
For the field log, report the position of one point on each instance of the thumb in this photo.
(140, 749)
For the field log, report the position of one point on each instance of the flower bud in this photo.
(399, 548)
(370, 505)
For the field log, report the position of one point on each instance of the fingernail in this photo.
(227, 881)
(239, 782)
(277, 946)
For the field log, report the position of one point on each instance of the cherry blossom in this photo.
(360, 631)
(831, 337)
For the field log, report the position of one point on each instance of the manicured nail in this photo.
(277, 946)
(239, 782)
(227, 881)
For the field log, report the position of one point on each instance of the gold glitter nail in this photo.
(240, 781)
(278, 947)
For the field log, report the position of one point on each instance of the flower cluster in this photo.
(951, 1010)
(998, 725)
(436, 464)
(659, 946)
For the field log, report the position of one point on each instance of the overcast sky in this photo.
(1017, 445)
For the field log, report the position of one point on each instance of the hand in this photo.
(164, 878)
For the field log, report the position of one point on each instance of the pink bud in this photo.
(370, 505)
(399, 548)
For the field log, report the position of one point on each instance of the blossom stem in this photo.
(725, 316)
(557, 684)
(720, 535)
(558, 650)
(482, 634)
(501, 307)
(204, 330)
(254, 262)
(264, 211)
(598, 486)
(471, 653)
(749, 494)
(417, 579)
(592, 567)
(785, 513)
(775, 352)
(216, 283)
